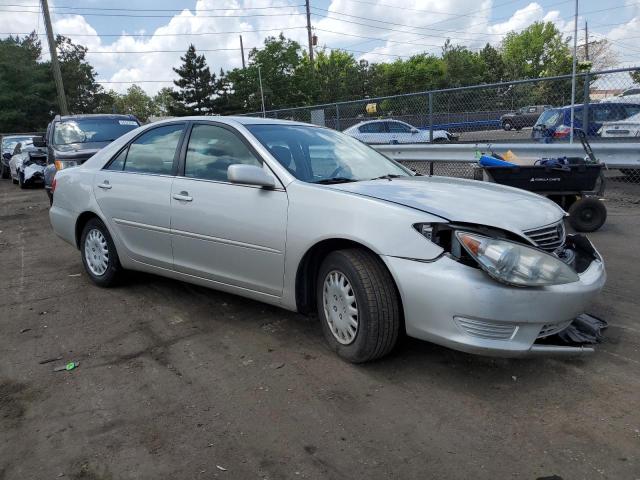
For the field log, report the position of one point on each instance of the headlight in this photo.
(62, 164)
(516, 264)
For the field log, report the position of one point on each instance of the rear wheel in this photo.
(99, 254)
(358, 305)
(587, 214)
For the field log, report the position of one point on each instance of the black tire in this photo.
(113, 271)
(440, 140)
(50, 195)
(587, 214)
(377, 300)
(507, 125)
(21, 180)
(4, 171)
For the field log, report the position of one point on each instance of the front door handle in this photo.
(104, 185)
(182, 196)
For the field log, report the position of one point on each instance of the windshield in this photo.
(549, 118)
(314, 154)
(84, 130)
(9, 143)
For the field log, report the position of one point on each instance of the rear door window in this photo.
(152, 152)
(376, 127)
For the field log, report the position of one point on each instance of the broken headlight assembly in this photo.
(514, 263)
(500, 255)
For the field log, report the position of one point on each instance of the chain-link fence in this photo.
(607, 108)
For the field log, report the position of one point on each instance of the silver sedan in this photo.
(314, 221)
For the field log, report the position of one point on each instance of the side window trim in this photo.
(176, 155)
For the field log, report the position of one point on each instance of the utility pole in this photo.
(573, 75)
(309, 34)
(55, 65)
(242, 53)
(586, 40)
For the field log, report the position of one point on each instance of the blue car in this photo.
(555, 124)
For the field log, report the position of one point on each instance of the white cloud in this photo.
(438, 20)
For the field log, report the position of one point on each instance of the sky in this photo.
(158, 32)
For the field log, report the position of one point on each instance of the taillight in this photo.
(53, 185)
(562, 131)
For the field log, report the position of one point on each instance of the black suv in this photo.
(524, 117)
(72, 139)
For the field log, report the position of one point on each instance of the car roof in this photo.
(580, 105)
(10, 137)
(235, 120)
(113, 116)
(378, 120)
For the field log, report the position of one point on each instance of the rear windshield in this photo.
(85, 130)
(9, 143)
(550, 117)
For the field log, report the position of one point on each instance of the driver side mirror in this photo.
(39, 142)
(6, 156)
(250, 175)
(414, 130)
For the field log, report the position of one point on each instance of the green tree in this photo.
(135, 102)
(539, 50)
(163, 102)
(27, 92)
(83, 94)
(492, 65)
(635, 76)
(196, 86)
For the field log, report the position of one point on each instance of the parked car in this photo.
(523, 117)
(309, 219)
(628, 128)
(394, 131)
(554, 124)
(27, 164)
(9, 143)
(72, 139)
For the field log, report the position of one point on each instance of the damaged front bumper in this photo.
(34, 174)
(461, 307)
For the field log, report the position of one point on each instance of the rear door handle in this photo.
(104, 185)
(183, 196)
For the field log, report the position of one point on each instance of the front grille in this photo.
(548, 238)
(553, 329)
(488, 330)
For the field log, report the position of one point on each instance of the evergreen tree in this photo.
(196, 86)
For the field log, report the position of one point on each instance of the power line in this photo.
(159, 34)
(167, 51)
(167, 16)
(124, 9)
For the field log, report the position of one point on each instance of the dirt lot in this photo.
(182, 382)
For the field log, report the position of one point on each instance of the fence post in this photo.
(337, 117)
(585, 105)
(430, 117)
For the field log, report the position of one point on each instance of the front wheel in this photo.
(99, 255)
(4, 171)
(587, 214)
(21, 180)
(507, 125)
(358, 305)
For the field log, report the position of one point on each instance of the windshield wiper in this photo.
(388, 176)
(329, 181)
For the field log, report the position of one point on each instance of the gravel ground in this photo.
(182, 382)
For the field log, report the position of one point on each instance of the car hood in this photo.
(466, 201)
(78, 151)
